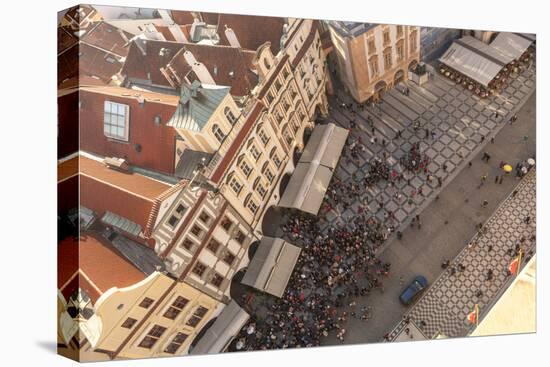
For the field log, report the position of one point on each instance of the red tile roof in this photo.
(252, 31)
(182, 17)
(65, 39)
(97, 266)
(219, 60)
(129, 195)
(107, 37)
(83, 59)
(228, 66)
(147, 67)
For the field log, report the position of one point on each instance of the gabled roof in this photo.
(90, 263)
(229, 66)
(197, 104)
(511, 44)
(145, 60)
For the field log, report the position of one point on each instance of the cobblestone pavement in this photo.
(445, 305)
(462, 124)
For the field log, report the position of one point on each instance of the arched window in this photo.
(229, 115)
(218, 133)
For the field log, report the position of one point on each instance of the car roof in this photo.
(422, 280)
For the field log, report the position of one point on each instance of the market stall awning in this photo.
(325, 145)
(511, 44)
(470, 63)
(271, 267)
(485, 50)
(309, 182)
(228, 324)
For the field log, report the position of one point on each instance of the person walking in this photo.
(484, 203)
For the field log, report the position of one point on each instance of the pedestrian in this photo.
(490, 248)
(484, 203)
(496, 115)
(500, 180)
(427, 133)
(482, 139)
(469, 164)
(527, 219)
(492, 140)
(399, 235)
(439, 181)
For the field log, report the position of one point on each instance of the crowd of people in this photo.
(333, 268)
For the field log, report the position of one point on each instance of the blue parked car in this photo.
(417, 286)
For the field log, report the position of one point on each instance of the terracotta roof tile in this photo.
(100, 267)
(128, 195)
(228, 66)
(182, 17)
(107, 37)
(252, 31)
(83, 59)
(65, 39)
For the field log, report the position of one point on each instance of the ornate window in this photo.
(235, 185)
(371, 45)
(387, 58)
(399, 31)
(255, 152)
(386, 36)
(400, 50)
(245, 168)
(263, 137)
(218, 133)
(229, 115)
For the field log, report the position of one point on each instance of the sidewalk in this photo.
(421, 251)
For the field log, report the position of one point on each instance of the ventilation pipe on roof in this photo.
(231, 37)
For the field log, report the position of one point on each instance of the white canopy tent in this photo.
(309, 182)
(511, 44)
(271, 267)
(470, 63)
(228, 324)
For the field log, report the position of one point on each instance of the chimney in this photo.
(231, 37)
(198, 68)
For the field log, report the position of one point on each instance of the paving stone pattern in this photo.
(461, 122)
(446, 304)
